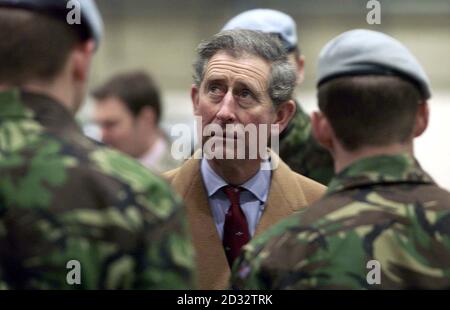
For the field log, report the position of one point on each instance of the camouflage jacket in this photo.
(383, 224)
(301, 152)
(65, 198)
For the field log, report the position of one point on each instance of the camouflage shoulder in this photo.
(170, 245)
(151, 190)
(31, 164)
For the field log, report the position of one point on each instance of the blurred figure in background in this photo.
(298, 147)
(128, 110)
(66, 201)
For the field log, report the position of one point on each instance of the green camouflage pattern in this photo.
(383, 208)
(65, 197)
(302, 153)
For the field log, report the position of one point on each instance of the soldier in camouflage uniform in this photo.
(298, 148)
(64, 197)
(302, 153)
(383, 223)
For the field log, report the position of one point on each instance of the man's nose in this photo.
(227, 110)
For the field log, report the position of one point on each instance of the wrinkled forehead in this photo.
(238, 66)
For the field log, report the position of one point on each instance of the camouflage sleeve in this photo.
(246, 273)
(165, 255)
(111, 248)
(168, 252)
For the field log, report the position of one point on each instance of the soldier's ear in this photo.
(299, 62)
(195, 98)
(422, 118)
(81, 58)
(322, 130)
(284, 113)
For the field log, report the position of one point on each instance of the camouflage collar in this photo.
(17, 104)
(11, 105)
(383, 169)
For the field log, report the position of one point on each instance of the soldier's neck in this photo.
(343, 158)
(54, 90)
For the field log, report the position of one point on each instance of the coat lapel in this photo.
(285, 196)
(212, 266)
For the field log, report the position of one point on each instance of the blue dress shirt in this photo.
(252, 200)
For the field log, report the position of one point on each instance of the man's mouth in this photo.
(226, 136)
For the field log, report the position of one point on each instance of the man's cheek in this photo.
(207, 118)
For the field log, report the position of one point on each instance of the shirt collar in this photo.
(383, 169)
(154, 154)
(258, 185)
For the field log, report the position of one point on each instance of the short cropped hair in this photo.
(370, 110)
(33, 46)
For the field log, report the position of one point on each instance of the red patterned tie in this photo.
(235, 231)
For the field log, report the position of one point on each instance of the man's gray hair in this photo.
(238, 43)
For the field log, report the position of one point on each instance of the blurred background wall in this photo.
(160, 36)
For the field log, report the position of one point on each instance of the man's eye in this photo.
(214, 89)
(246, 94)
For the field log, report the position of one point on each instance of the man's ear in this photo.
(195, 98)
(300, 61)
(322, 130)
(81, 59)
(422, 118)
(284, 113)
(148, 116)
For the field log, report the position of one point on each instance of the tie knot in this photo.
(233, 194)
